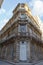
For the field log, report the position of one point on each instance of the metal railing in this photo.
(22, 34)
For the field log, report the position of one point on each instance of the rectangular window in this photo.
(22, 28)
(23, 16)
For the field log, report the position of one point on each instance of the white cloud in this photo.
(4, 22)
(7, 16)
(2, 10)
(37, 7)
(37, 10)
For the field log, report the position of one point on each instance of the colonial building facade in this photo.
(20, 38)
(1, 1)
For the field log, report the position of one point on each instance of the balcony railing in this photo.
(35, 26)
(22, 34)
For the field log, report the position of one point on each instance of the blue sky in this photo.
(8, 6)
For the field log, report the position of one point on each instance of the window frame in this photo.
(19, 28)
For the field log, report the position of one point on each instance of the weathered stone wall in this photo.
(36, 52)
(11, 51)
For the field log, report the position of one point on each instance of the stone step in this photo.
(23, 64)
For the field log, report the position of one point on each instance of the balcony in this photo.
(36, 38)
(24, 35)
(7, 38)
(35, 26)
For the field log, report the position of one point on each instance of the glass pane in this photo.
(23, 16)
